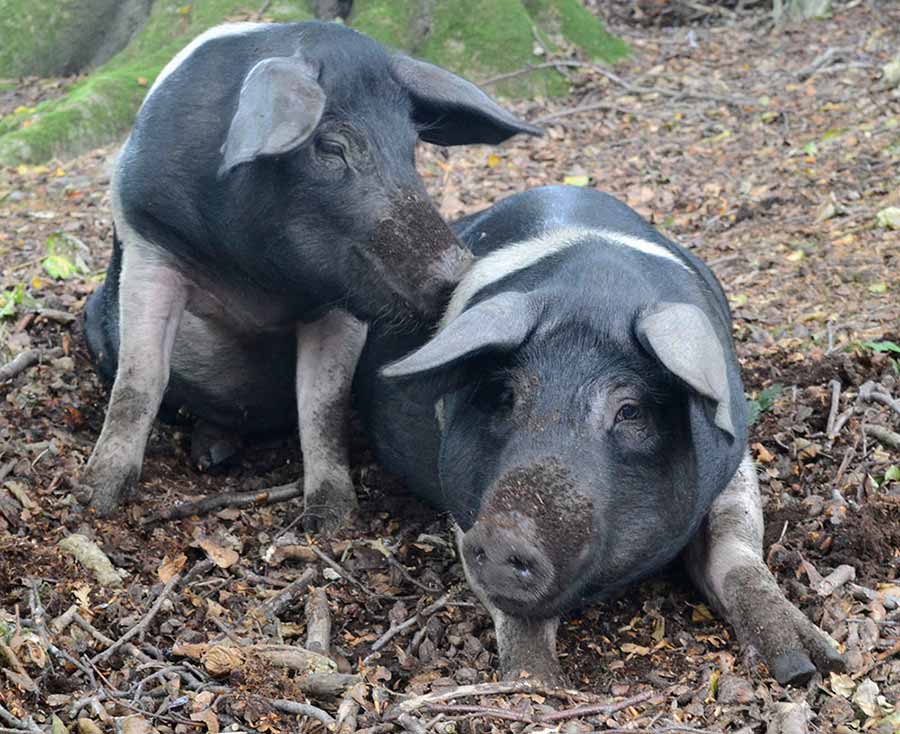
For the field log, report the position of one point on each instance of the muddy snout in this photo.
(418, 256)
(506, 559)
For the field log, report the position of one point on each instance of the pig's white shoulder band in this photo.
(220, 31)
(520, 255)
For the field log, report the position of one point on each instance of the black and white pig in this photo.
(269, 188)
(579, 412)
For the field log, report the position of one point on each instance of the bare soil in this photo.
(774, 179)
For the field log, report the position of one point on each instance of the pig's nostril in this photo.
(522, 568)
(479, 555)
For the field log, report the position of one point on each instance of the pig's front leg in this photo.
(152, 297)
(524, 645)
(726, 561)
(327, 353)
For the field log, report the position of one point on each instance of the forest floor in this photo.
(770, 153)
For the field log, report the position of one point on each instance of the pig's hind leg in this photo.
(725, 560)
(152, 297)
(327, 353)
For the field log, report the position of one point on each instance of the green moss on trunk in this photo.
(471, 37)
(569, 19)
(392, 22)
(102, 107)
(47, 38)
(483, 39)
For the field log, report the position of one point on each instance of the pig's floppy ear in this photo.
(280, 105)
(451, 110)
(502, 322)
(683, 339)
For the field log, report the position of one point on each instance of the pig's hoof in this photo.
(791, 645)
(792, 667)
(328, 507)
(794, 648)
(103, 489)
(212, 446)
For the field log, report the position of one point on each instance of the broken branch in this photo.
(229, 499)
(318, 622)
(141, 626)
(27, 359)
(885, 436)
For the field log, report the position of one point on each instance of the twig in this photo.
(481, 689)
(16, 723)
(406, 624)
(104, 640)
(302, 709)
(830, 55)
(519, 72)
(141, 626)
(870, 391)
(835, 405)
(53, 314)
(589, 108)
(14, 663)
(347, 715)
(341, 571)
(273, 606)
(836, 579)
(411, 724)
(318, 622)
(493, 712)
(616, 79)
(600, 708)
(6, 469)
(27, 359)
(654, 730)
(229, 499)
(885, 436)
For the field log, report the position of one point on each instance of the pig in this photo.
(579, 413)
(266, 206)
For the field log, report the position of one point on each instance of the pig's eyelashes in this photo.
(332, 147)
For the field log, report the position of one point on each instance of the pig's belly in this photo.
(236, 373)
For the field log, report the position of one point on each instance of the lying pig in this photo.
(266, 196)
(580, 414)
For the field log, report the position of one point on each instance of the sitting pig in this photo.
(266, 204)
(580, 414)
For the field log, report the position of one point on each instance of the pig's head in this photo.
(330, 135)
(579, 450)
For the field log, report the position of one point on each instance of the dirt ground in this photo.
(769, 155)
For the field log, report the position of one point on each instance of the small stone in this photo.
(838, 709)
(467, 676)
(814, 505)
(86, 726)
(734, 689)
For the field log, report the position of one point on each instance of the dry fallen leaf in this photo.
(630, 648)
(221, 556)
(170, 566)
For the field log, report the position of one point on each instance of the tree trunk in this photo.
(64, 37)
(474, 38)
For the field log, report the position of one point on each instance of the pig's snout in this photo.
(417, 256)
(507, 561)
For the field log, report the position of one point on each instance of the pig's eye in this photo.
(629, 412)
(332, 146)
(506, 398)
